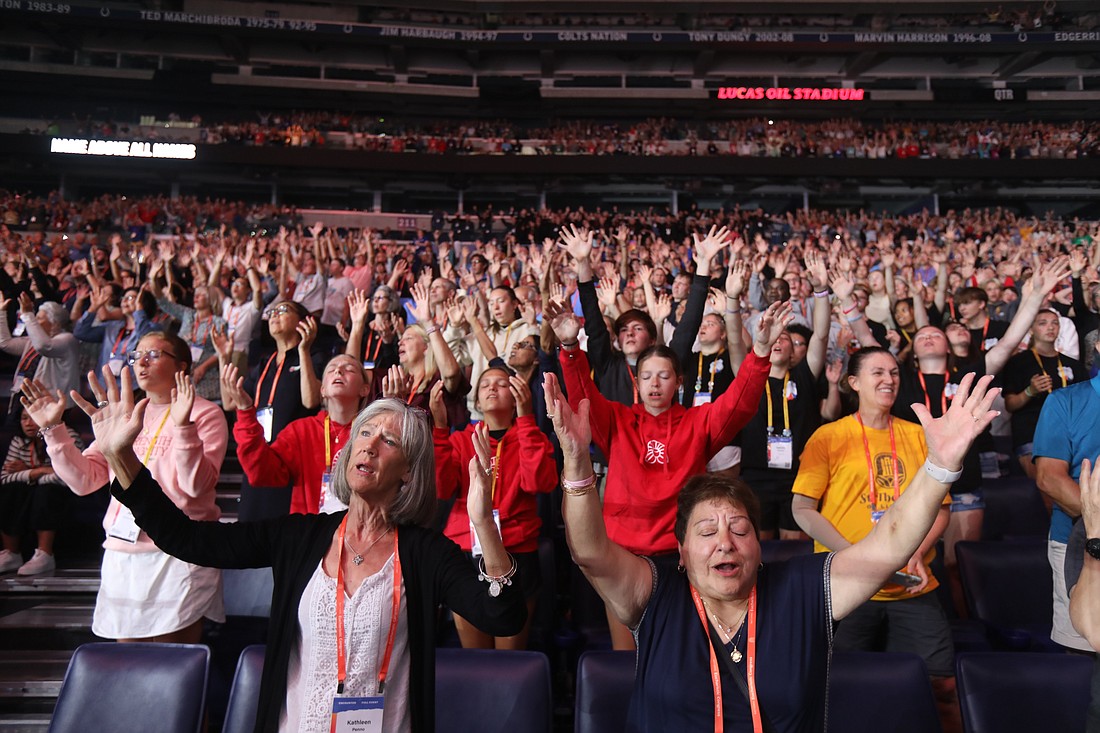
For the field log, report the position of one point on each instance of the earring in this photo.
(680, 568)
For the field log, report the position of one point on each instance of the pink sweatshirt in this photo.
(185, 461)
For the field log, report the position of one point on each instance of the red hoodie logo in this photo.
(655, 453)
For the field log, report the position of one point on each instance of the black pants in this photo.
(38, 507)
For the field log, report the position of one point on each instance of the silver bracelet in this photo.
(496, 581)
(42, 431)
(941, 474)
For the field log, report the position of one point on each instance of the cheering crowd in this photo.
(741, 376)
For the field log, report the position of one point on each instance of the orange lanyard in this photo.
(1061, 369)
(872, 493)
(372, 338)
(634, 382)
(750, 665)
(927, 400)
(195, 340)
(274, 382)
(121, 334)
(985, 330)
(414, 391)
(25, 362)
(341, 660)
(496, 472)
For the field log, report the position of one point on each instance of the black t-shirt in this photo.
(286, 404)
(712, 372)
(936, 392)
(985, 338)
(1017, 376)
(803, 400)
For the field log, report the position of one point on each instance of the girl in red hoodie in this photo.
(522, 466)
(653, 447)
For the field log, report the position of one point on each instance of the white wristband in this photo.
(941, 474)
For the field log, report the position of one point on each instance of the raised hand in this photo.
(421, 311)
(607, 292)
(1049, 275)
(842, 285)
(661, 308)
(223, 342)
(736, 279)
(707, 247)
(307, 329)
(572, 428)
(479, 501)
(118, 421)
(563, 321)
(816, 270)
(437, 406)
(455, 313)
(834, 369)
(183, 400)
(949, 437)
(26, 305)
(577, 242)
(233, 387)
(773, 322)
(396, 383)
(44, 408)
(521, 393)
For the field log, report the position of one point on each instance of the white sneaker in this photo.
(9, 561)
(40, 563)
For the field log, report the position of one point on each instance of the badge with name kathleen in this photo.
(357, 714)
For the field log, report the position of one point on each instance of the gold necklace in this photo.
(358, 559)
(728, 631)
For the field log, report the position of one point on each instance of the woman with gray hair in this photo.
(374, 572)
(48, 352)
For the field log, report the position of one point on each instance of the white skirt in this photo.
(143, 594)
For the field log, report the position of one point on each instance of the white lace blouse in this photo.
(311, 677)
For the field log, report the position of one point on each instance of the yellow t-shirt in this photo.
(833, 470)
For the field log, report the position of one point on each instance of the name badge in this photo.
(115, 364)
(356, 714)
(20, 328)
(196, 354)
(877, 515)
(701, 398)
(17, 383)
(329, 503)
(124, 527)
(780, 451)
(475, 543)
(265, 416)
(368, 364)
(791, 392)
(989, 344)
(1067, 373)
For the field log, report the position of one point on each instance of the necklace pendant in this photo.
(358, 559)
(735, 655)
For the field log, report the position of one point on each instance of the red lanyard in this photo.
(634, 382)
(414, 391)
(25, 362)
(274, 382)
(985, 330)
(372, 338)
(341, 660)
(195, 340)
(872, 493)
(121, 334)
(927, 400)
(750, 665)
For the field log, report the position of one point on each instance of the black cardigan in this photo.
(434, 569)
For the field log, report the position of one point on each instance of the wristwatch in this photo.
(941, 474)
(1092, 547)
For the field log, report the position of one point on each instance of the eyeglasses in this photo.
(152, 354)
(280, 310)
(524, 345)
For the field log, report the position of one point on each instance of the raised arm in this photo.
(449, 370)
(858, 571)
(1035, 290)
(819, 341)
(736, 278)
(705, 250)
(622, 579)
(842, 287)
(1084, 597)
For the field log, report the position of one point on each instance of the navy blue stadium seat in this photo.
(1008, 587)
(1006, 691)
(240, 716)
(1013, 508)
(605, 681)
(902, 693)
(489, 691)
(124, 688)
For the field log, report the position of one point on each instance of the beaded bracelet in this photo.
(496, 581)
(578, 488)
(431, 329)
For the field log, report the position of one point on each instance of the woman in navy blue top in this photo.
(718, 612)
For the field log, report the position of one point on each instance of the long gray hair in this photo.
(415, 501)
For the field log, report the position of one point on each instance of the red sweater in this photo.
(650, 458)
(297, 455)
(527, 468)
